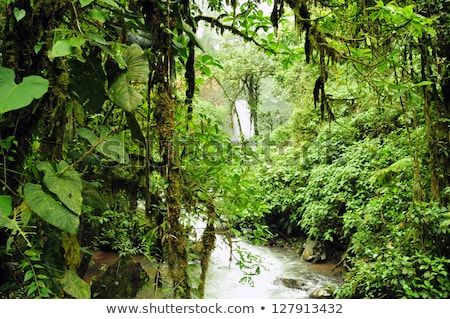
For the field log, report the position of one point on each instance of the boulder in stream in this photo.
(290, 282)
(322, 293)
(313, 251)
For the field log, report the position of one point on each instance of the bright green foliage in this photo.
(121, 232)
(16, 96)
(66, 187)
(140, 165)
(123, 91)
(281, 182)
(34, 277)
(49, 209)
(19, 14)
(15, 221)
(5, 205)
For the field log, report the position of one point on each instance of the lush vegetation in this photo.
(115, 136)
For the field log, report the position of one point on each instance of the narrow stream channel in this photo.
(278, 263)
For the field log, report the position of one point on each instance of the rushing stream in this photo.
(223, 276)
(282, 275)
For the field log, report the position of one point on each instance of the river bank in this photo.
(248, 271)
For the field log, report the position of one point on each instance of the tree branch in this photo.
(215, 22)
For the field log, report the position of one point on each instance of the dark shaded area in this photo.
(122, 280)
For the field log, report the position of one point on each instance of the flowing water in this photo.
(223, 276)
(276, 264)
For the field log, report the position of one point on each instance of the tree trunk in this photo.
(177, 256)
(43, 120)
(437, 112)
(208, 243)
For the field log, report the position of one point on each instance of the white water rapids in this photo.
(223, 276)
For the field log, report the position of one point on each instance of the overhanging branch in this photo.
(218, 24)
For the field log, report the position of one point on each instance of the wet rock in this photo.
(313, 251)
(122, 280)
(322, 293)
(290, 283)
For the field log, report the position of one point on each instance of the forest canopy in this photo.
(116, 126)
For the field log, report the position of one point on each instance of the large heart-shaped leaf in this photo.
(123, 91)
(16, 96)
(46, 207)
(67, 187)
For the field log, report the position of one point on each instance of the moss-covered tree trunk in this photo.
(208, 243)
(175, 236)
(158, 21)
(434, 53)
(45, 119)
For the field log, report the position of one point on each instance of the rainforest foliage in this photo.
(116, 120)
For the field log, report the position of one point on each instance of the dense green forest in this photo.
(116, 124)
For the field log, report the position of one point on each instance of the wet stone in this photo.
(290, 283)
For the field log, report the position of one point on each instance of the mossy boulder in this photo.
(122, 280)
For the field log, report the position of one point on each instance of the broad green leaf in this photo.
(31, 289)
(88, 134)
(77, 42)
(19, 14)
(67, 187)
(16, 96)
(73, 285)
(85, 3)
(28, 275)
(49, 209)
(123, 91)
(30, 253)
(61, 48)
(5, 205)
(37, 47)
(96, 37)
(136, 63)
(97, 14)
(112, 3)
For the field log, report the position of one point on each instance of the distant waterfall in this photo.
(243, 114)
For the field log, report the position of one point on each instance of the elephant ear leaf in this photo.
(123, 91)
(16, 96)
(46, 207)
(67, 187)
